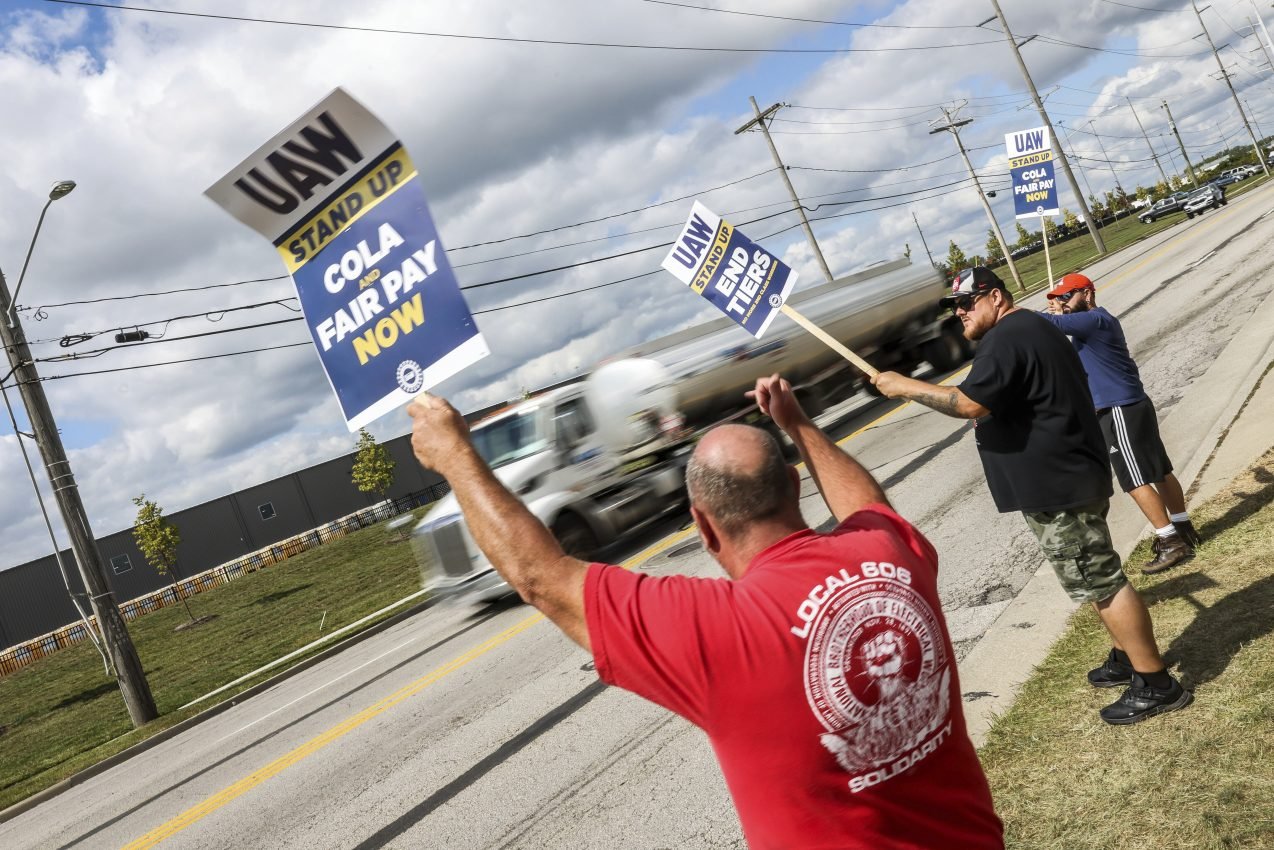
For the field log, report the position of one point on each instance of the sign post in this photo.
(341, 201)
(1035, 193)
(740, 278)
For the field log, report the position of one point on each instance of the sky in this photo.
(517, 144)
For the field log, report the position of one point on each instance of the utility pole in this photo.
(1266, 45)
(1039, 105)
(1225, 75)
(922, 240)
(1182, 145)
(1255, 123)
(128, 667)
(759, 123)
(953, 127)
(1153, 155)
(1111, 164)
(1082, 173)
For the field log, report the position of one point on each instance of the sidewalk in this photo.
(1235, 436)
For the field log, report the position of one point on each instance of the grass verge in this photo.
(1078, 253)
(1200, 778)
(63, 713)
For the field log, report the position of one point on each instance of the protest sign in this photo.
(1031, 166)
(740, 278)
(339, 198)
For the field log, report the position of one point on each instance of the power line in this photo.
(811, 20)
(173, 362)
(67, 340)
(152, 294)
(98, 352)
(1143, 8)
(553, 42)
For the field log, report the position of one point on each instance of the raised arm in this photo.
(845, 485)
(948, 400)
(518, 545)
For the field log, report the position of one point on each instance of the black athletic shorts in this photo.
(1132, 439)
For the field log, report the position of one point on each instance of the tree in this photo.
(993, 252)
(373, 467)
(158, 540)
(1069, 219)
(1024, 237)
(956, 260)
(1050, 227)
(1097, 208)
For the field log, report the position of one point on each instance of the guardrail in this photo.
(20, 655)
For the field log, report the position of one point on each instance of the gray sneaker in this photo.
(1169, 552)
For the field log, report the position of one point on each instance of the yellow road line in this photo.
(243, 786)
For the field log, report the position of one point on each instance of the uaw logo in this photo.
(410, 377)
(776, 301)
(877, 676)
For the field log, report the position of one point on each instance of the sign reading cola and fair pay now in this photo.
(1031, 164)
(340, 200)
(740, 278)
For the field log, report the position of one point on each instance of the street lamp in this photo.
(128, 667)
(60, 189)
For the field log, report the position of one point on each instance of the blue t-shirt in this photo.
(1113, 378)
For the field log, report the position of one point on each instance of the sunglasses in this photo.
(966, 302)
(1068, 296)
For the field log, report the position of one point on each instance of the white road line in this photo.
(1206, 256)
(1264, 214)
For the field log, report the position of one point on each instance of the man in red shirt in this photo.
(821, 671)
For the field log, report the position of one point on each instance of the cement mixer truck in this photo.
(602, 458)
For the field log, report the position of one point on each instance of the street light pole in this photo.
(128, 667)
(1122, 194)
(1182, 145)
(1039, 105)
(759, 122)
(953, 127)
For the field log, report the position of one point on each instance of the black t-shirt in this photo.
(1041, 447)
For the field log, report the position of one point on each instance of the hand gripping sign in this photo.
(340, 200)
(740, 278)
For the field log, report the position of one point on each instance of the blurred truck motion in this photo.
(604, 457)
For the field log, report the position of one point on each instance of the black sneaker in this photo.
(1169, 552)
(1110, 674)
(1188, 533)
(1141, 702)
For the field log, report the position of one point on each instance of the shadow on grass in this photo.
(281, 594)
(87, 695)
(1217, 633)
(1248, 504)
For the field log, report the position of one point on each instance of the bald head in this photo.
(737, 476)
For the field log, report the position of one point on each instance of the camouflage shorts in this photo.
(1077, 543)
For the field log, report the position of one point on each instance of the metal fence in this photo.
(19, 656)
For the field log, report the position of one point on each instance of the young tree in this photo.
(373, 467)
(1098, 209)
(1024, 236)
(993, 252)
(956, 260)
(1050, 227)
(158, 539)
(1070, 219)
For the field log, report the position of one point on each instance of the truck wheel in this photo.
(574, 536)
(945, 351)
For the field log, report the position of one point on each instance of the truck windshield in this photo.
(506, 440)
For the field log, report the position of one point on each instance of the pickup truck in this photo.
(1171, 204)
(1205, 197)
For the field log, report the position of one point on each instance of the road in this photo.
(477, 728)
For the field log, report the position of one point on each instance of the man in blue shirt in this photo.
(1127, 418)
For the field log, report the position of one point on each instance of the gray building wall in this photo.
(34, 601)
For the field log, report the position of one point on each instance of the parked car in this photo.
(1166, 206)
(1240, 173)
(1227, 178)
(1206, 197)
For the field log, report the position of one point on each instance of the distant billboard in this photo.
(1031, 165)
(739, 277)
(339, 198)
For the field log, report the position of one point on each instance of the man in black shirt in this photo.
(1044, 454)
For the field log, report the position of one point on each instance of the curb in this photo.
(207, 714)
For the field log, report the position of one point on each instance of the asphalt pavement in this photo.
(465, 727)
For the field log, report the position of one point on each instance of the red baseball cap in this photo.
(1070, 283)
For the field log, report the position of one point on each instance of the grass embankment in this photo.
(1198, 778)
(1078, 253)
(63, 713)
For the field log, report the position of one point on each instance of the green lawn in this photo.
(1078, 253)
(1199, 778)
(63, 713)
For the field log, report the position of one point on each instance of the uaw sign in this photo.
(1031, 165)
(739, 277)
(340, 200)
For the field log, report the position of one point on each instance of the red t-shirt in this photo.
(825, 680)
